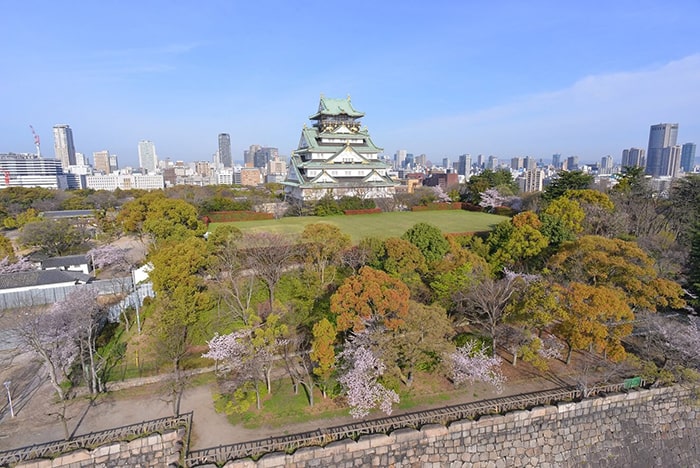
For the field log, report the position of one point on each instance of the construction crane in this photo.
(37, 142)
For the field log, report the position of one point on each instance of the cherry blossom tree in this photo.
(107, 255)
(87, 319)
(472, 363)
(50, 336)
(360, 370)
(22, 264)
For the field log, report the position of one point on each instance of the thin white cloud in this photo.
(599, 114)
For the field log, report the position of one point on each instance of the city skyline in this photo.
(507, 79)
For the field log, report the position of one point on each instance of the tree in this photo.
(235, 352)
(566, 180)
(486, 303)
(53, 238)
(471, 363)
(515, 241)
(370, 295)
(568, 212)
(600, 261)
(420, 342)
(23, 264)
(429, 240)
(268, 256)
(51, 337)
(322, 245)
(323, 353)
(402, 258)
(596, 317)
(108, 255)
(181, 296)
(7, 251)
(249, 353)
(359, 370)
(87, 318)
(172, 219)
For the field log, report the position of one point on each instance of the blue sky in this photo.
(509, 78)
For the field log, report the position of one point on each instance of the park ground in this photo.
(36, 419)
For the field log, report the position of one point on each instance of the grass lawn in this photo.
(380, 225)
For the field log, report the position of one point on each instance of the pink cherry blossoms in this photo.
(360, 370)
(471, 362)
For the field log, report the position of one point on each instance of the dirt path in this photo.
(37, 422)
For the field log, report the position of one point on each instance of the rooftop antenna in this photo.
(37, 142)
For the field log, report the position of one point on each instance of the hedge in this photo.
(438, 206)
(365, 211)
(233, 216)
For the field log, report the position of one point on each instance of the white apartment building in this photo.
(112, 182)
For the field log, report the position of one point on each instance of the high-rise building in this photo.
(225, 150)
(571, 163)
(101, 161)
(606, 165)
(465, 164)
(633, 157)
(400, 159)
(249, 155)
(492, 163)
(556, 160)
(531, 180)
(113, 163)
(147, 156)
(264, 155)
(530, 163)
(671, 161)
(688, 157)
(661, 136)
(64, 148)
(516, 163)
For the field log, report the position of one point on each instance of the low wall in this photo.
(658, 427)
(154, 450)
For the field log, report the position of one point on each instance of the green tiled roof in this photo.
(311, 135)
(330, 106)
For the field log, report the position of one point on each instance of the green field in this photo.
(380, 225)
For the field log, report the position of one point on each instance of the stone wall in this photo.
(153, 450)
(646, 428)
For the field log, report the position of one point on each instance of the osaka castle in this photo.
(337, 157)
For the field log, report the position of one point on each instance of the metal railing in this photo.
(415, 420)
(95, 439)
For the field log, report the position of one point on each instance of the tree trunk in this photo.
(268, 382)
(568, 354)
(515, 358)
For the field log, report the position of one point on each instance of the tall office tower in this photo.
(633, 157)
(147, 156)
(113, 163)
(101, 161)
(400, 159)
(225, 150)
(688, 157)
(516, 163)
(249, 155)
(408, 162)
(446, 163)
(671, 161)
(421, 160)
(480, 161)
(63, 146)
(492, 163)
(264, 155)
(465, 164)
(530, 163)
(661, 136)
(556, 160)
(572, 163)
(79, 159)
(606, 165)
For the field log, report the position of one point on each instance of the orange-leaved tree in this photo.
(371, 295)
